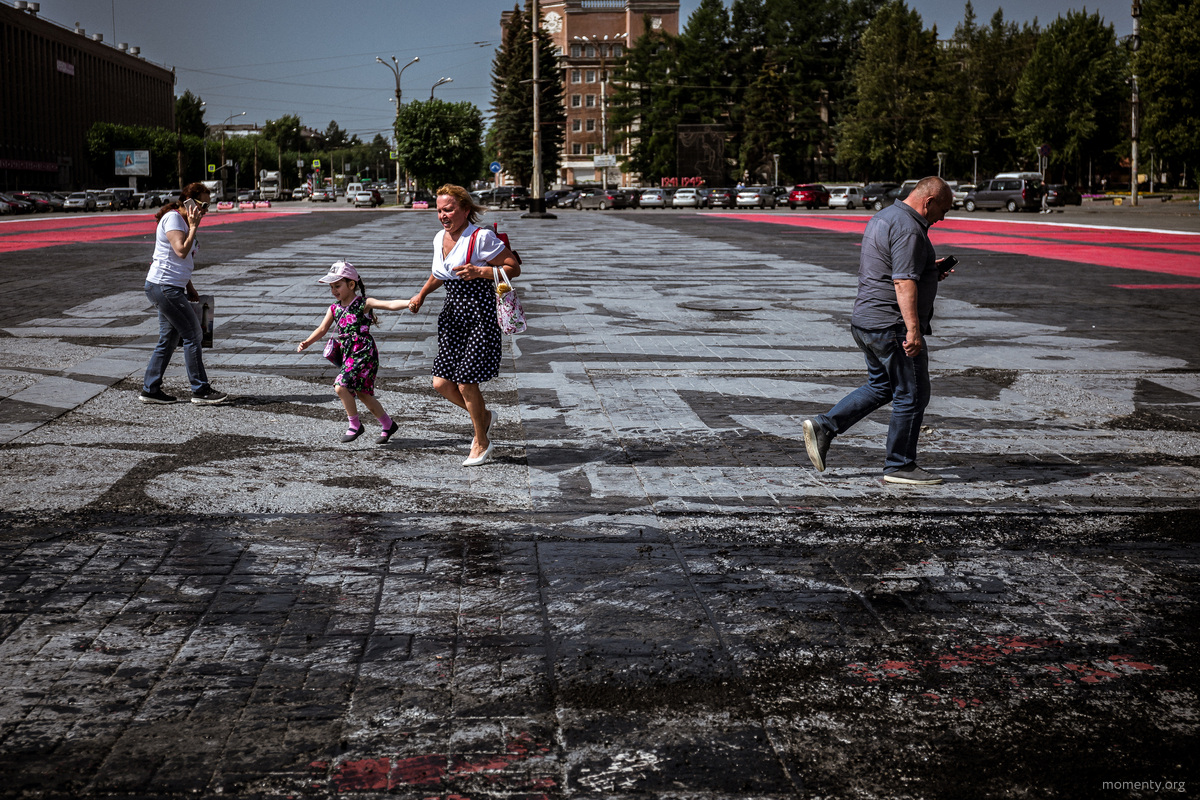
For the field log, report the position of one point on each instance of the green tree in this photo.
(335, 138)
(512, 101)
(887, 132)
(1070, 93)
(981, 70)
(104, 138)
(285, 132)
(1168, 73)
(440, 142)
(189, 114)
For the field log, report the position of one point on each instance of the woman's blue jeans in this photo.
(892, 377)
(177, 323)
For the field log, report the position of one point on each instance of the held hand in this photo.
(414, 303)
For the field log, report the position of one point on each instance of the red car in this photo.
(809, 195)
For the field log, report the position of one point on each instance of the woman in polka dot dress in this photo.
(464, 259)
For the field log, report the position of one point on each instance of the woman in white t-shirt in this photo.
(169, 288)
(464, 259)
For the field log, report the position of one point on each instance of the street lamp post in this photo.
(1134, 44)
(439, 83)
(941, 157)
(776, 157)
(975, 168)
(223, 133)
(537, 200)
(397, 71)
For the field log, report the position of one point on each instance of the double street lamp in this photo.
(397, 71)
(439, 83)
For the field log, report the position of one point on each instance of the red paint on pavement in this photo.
(1170, 286)
(1165, 252)
(36, 234)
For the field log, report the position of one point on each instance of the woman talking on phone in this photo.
(169, 288)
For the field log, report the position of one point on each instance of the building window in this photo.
(576, 149)
(576, 51)
(591, 124)
(576, 100)
(577, 124)
(591, 100)
(575, 76)
(591, 51)
(591, 76)
(618, 51)
(591, 150)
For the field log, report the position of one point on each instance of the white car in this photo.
(321, 196)
(80, 201)
(849, 197)
(364, 200)
(755, 196)
(685, 198)
(299, 193)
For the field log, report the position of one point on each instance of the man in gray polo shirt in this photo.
(898, 277)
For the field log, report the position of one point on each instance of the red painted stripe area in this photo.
(29, 235)
(1094, 246)
(1170, 286)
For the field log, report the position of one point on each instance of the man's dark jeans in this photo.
(177, 322)
(892, 377)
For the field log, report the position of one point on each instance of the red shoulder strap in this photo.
(471, 246)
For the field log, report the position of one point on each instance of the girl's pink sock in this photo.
(385, 421)
(354, 425)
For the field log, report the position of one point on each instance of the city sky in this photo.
(316, 58)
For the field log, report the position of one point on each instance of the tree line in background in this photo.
(861, 88)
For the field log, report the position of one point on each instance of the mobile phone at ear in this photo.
(190, 204)
(948, 263)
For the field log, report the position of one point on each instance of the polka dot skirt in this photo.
(468, 334)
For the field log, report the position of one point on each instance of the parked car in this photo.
(634, 197)
(40, 205)
(687, 197)
(722, 198)
(654, 198)
(55, 200)
(1013, 194)
(809, 195)
(299, 193)
(368, 199)
(321, 195)
(847, 197)
(248, 196)
(756, 197)
(504, 197)
(122, 196)
(16, 205)
(568, 200)
(106, 201)
(551, 197)
(80, 201)
(960, 193)
(873, 191)
(601, 199)
(1061, 194)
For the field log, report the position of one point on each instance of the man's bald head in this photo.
(932, 197)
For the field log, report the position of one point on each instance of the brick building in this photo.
(55, 83)
(589, 36)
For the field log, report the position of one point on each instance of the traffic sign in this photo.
(316, 163)
(212, 168)
(496, 167)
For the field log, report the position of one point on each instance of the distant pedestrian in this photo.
(353, 314)
(898, 276)
(169, 287)
(465, 260)
(1045, 199)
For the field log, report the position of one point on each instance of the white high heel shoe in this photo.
(482, 458)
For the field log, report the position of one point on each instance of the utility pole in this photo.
(537, 201)
(1134, 43)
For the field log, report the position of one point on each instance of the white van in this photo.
(351, 190)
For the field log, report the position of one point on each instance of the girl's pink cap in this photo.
(339, 270)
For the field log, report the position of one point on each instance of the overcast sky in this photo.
(316, 58)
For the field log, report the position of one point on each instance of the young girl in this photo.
(353, 316)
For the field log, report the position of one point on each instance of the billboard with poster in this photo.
(132, 162)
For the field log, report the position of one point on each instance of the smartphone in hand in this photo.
(948, 263)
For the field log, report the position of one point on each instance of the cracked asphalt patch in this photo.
(649, 594)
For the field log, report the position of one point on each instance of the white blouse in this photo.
(487, 247)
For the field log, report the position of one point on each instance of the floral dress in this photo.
(360, 356)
